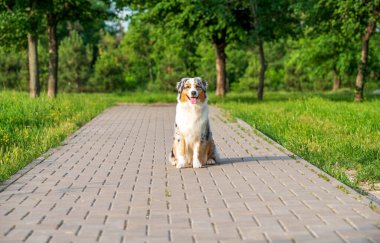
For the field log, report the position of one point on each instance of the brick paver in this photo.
(111, 182)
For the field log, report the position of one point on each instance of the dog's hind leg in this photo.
(211, 153)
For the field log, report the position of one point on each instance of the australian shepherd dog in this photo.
(193, 145)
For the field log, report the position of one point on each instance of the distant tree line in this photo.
(234, 45)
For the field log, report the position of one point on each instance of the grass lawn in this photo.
(327, 129)
(29, 127)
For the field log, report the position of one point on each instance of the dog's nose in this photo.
(193, 93)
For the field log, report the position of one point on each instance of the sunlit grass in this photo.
(29, 127)
(330, 132)
(146, 97)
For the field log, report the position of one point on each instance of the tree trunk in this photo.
(336, 81)
(150, 69)
(53, 56)
(263, 67)
(359, 83)
(260, 88)
(34, 84)
(220, 68)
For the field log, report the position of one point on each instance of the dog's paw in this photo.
(197, 164)
(210, 162)
(180, 163)
(173, 161)
(179, 166)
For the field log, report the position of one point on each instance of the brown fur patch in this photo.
(202, 95)
(183, 97)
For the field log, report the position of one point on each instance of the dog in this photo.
(193, 145)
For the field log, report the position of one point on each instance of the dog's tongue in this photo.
(193, 100)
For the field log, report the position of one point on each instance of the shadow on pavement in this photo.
(229, 160)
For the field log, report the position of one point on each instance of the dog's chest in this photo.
(191, 121)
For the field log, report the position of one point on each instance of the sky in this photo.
(122, 19)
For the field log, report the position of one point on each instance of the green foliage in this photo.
(12, 28)
(271, 20)
(249, 79)
(74, 68)
(206, 19)
(173, 58)
(351, 17)
(143, 58)
(373, 81)
(168, 40)
(17, 18)
(205, 63)
(108, 75)
(137, 47)
(13, 70)
(237, 66)
(316, 59)
(109, 70)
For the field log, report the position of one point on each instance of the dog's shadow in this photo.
(248, 159)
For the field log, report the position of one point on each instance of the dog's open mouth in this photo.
(193, 100)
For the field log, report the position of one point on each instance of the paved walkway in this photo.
(111, 183)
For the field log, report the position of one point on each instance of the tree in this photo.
(75, 62)
(366, 35)
(138, 47)
(57, 11)
(353, 20)
(17, 20)
(34, 84)
(325, 55)
(213, 20)
(268, 20)
(109, 67)
(358, 18)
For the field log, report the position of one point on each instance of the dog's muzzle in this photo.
(193, 97)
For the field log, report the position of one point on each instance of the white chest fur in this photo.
(191, 120)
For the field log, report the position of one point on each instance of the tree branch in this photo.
(9, 9)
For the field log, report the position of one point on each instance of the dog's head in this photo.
(192, 90)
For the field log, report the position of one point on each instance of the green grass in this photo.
(29, 127)
(326, 129)
(146, 97)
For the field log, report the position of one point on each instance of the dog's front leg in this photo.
(181, 162)
(196, 162)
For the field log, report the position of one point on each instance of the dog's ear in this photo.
(204, 85)
(180, 84)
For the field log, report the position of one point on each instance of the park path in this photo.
(110, 182)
